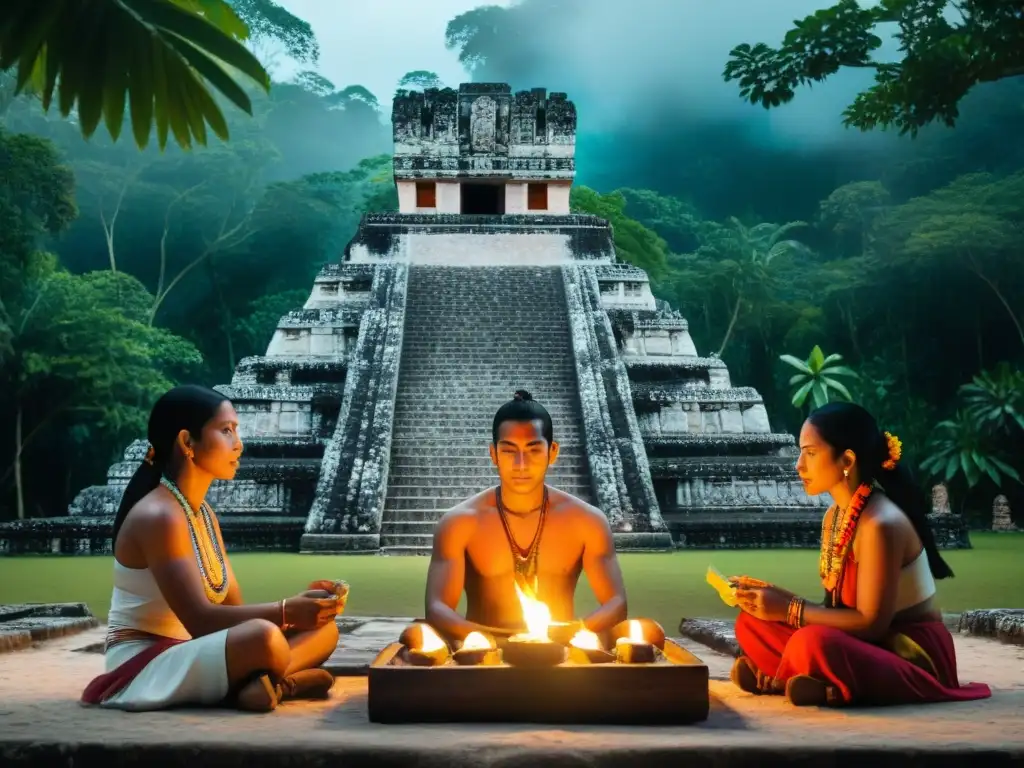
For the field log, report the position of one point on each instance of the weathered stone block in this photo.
(755, 419)
(717, 634)
(1005, 624)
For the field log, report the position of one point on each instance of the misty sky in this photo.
(631, 50)
(375, 42)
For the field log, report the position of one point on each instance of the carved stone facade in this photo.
(940, 500)
(484, 150)
(341, 454)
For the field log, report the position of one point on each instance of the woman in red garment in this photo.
(878, 637)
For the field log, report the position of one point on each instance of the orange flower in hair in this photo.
(895, 451)
(150, 455)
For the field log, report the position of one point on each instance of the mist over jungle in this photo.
(775, 232)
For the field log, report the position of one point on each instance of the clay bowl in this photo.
(652, 631)
(418, 658)
(412, 638)
(533, 654)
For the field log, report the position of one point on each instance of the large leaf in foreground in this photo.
(159, 55)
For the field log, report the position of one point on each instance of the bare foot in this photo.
(261, 695)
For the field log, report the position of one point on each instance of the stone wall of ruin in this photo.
(483, 130)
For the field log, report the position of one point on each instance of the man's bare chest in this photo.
(492, 555)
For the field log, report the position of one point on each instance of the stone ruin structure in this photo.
(1002, 521)
(370, 413)
(940, 500)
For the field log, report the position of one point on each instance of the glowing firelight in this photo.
(536, 615)
(475, 641)
(586, 640)
(431, 640)
(636, 632)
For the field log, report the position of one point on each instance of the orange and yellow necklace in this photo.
(835, 546)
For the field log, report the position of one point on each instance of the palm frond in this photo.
(160, 55)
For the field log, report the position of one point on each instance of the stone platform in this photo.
(23, 624)
(41, 724)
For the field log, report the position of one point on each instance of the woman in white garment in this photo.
(179, 632)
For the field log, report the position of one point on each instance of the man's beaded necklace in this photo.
(524, 563)
(205, 545)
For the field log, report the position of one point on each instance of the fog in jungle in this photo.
(646, 76)
(908, 266)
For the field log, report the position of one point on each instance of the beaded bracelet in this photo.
(795, 613)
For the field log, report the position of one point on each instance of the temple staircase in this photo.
(474, 335)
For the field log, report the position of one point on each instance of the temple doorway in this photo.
(483, 199)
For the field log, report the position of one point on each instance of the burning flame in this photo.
(536, 616)
(431, 640)
(475, 641)
(586, 640)
(636, 632)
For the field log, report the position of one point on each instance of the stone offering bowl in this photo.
(533, 653)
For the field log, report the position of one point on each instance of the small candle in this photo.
(586, 646)
(476, 649)
(634, 649)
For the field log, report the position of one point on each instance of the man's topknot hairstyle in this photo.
(522, 407)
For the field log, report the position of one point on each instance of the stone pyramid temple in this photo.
(370, 413)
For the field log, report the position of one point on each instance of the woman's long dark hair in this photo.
(186, 407)
(848, 427)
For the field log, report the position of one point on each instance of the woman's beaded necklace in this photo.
(205, 545)
(836, 544)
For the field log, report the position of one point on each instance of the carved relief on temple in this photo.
(1002, 520)
(484, 130)
(482, 124)
(940, 500)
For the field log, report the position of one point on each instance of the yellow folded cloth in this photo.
(721, 586)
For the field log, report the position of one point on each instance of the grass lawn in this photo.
(665, 586)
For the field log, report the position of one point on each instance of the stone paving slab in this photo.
(22, 624)
(41, 724)
(362, 638)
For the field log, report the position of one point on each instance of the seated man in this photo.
(522, 532)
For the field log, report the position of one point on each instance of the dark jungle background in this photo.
(775, 232)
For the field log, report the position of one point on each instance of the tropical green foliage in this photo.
(634, 242)
(156, 56)
(985, 436)
(420, 79)
(899, 257)
(995, 399)
(816, 377)
(269, 22)
(948, 48)
(960, 446)
(162, 267)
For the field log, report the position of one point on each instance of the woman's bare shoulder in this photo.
(157, 511)
(882, 517)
